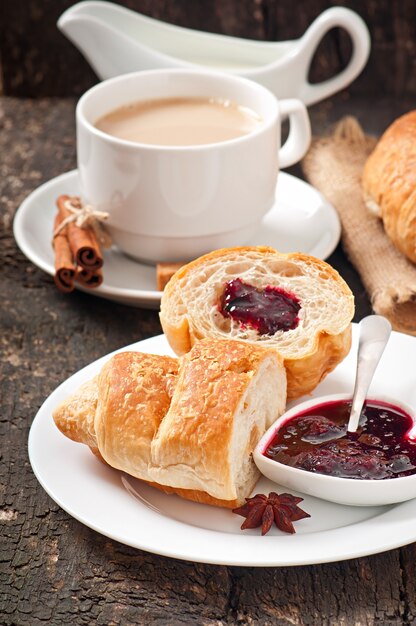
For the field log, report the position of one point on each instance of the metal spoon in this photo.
(374, 334)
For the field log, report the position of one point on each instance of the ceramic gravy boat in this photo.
(116, 40)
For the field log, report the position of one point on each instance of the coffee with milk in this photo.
(180, 121)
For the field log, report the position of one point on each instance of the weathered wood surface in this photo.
(54, 570)
(37, 60)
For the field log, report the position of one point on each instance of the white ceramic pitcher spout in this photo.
(116, 40)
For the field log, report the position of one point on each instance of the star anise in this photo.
(262, 510)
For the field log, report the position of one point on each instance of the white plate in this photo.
(133, 513)
(300, 221)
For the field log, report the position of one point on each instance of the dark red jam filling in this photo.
(317, 441)
(266, 310)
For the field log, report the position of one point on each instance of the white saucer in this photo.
(300, 221)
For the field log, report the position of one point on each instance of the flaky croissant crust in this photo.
(187, 426)
(389, 183)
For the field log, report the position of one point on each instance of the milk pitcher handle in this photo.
(357, 30)
(299, 138)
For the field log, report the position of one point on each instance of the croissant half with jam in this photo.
(294, 303)
(187, 426)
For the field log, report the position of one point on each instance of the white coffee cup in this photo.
(174, 203)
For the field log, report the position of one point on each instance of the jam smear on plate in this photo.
(266, 310)
(317, 440)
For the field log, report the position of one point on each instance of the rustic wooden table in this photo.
(53, 569)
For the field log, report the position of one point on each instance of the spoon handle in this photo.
(374, 334)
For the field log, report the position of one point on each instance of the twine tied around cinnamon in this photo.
(85, 215)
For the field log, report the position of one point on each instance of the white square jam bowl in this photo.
(350, 491)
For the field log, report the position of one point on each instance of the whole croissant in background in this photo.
(186, 426)
(293, 303)
(389, 183)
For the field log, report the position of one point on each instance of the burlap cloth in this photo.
(334, 165)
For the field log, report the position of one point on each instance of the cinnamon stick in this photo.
(64, 265)
(83, 241)
(89, 279)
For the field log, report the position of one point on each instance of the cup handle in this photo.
(299, 138)
(357, 30)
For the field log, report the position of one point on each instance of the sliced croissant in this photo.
(187, 426)
(190, 309)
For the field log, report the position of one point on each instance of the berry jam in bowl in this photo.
(308, 449)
